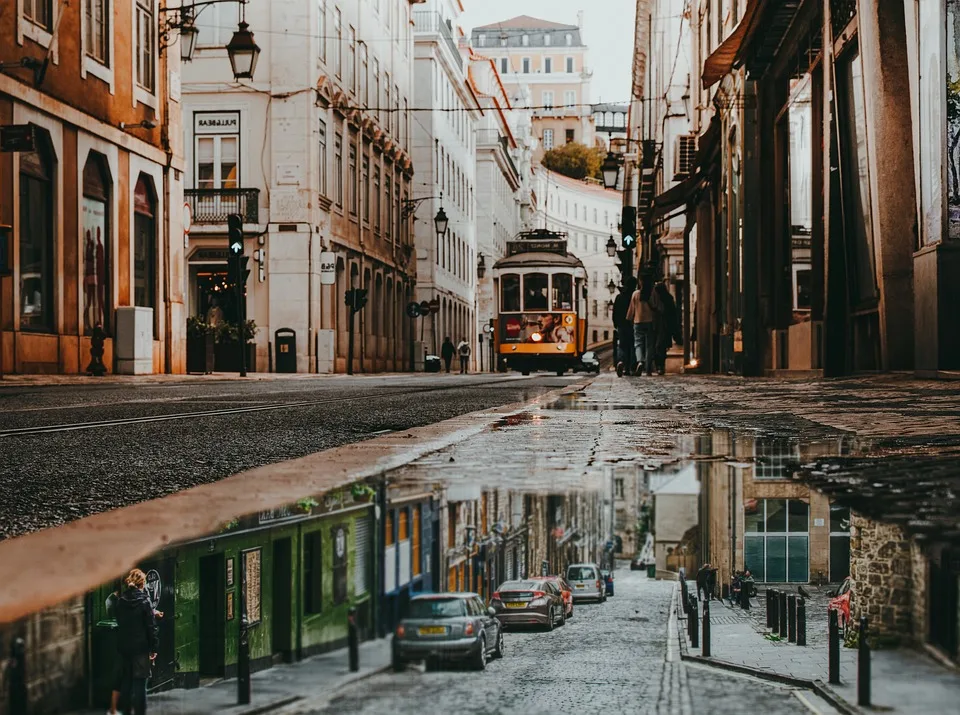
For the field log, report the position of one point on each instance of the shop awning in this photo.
(722, 60)
(707, 143)
(674, 197)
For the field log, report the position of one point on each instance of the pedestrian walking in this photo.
(642, 313)
(111, 608)
(666, 325)
(447, 351)
(711, 583)
(703, 575)
(136, 642)
(621, 305)
(463, 350)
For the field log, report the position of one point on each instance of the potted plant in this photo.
(200, 345)
(227, 349)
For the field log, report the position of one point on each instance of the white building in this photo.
(315, 153)
(588, 214)
(445, 145)
(505, 147)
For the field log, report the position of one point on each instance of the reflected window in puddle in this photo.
(776, 544)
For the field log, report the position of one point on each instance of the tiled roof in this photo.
(525, 22)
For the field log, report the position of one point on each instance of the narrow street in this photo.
(609, 657)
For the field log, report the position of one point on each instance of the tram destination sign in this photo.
(540, 245)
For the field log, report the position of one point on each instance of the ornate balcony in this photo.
(212, 206)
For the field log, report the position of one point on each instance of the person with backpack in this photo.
(642, 312)
(463, 350)
(446, 352)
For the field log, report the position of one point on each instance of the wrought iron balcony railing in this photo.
(211, 206)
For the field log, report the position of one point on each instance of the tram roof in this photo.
(539, 258)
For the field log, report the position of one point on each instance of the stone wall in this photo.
(56, 657)
(883, 573)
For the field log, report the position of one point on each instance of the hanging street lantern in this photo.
(243, 52)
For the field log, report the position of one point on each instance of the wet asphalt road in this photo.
(609, 658)
(50, 478)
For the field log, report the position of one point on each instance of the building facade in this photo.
(316, 156)
(588, 214)
(445, 146)
(551, 59)
(90, 195)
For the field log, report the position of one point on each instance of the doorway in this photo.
(282, 613)
(944, 601)
(212, 610)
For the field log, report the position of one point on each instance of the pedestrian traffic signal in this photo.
(361, 299)
(235, 234)
(629, 241)
(237, 271)
(355, 299)
(628, 227)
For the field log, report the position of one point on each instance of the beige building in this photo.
(550, 58)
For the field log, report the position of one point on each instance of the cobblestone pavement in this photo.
(609, 658)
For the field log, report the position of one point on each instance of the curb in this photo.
(817, 686)
(303, 704)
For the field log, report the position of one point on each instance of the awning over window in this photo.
(674, 197)
(722, 60)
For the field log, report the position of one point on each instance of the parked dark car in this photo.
(637, 564)
(589, 362)
(447, 626)
(608, 580)
(566, 591)
(529, 602)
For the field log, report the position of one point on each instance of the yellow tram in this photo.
(541, 292)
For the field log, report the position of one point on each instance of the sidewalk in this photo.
(903, 680)
(274, 687)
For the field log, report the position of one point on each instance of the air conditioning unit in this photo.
(684, 155)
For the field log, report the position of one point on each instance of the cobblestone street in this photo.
(609, 657)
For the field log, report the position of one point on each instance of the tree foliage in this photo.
(575, 160)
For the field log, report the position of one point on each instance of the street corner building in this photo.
(91, 232)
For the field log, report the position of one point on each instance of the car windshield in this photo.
(581, 573)
(436, 608)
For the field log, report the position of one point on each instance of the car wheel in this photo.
(432, 665)
(498, 653)
(551, 618)
(399, 665)
(570, 615)
(480, 659)
(563, 617)
(524, 372)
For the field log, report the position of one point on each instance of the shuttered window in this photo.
(361, 561)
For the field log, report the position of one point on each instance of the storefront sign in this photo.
(328, 268)
(154, 587)
(216, 123)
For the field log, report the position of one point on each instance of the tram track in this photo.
(225, 412)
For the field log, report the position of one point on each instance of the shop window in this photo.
(37, 237)
(839, 543)
(313, 572)
(96, 244)
(451, 525)
(145, 244)
(389, 539)
(403, 525)
(510, 293)
(776, 540)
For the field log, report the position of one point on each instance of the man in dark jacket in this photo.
(621, 303)
(703, 576)
(666, 325)
(446, 352)
(136, 641)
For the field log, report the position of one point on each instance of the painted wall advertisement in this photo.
(539, 328)
(95, 281)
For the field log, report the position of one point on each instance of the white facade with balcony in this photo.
(314, 153)
(445, 145)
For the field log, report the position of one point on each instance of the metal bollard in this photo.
(769, 595)
(863, 666)
(834, 648)
(243, 663)
(693, 624)
(774, 615)
(782, 612)
(792, 618)
(801, 621)
(705, 648)
(353, 640)
(17, 674)
(684, 596)
(745, 596)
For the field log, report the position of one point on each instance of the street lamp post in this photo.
(611, 247)
(242, 50)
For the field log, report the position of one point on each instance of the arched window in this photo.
(379, 318)
(96, 231)
(145, 244)
(37, 237)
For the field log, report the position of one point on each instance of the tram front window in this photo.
(562, 291)
(535, 291)
(510, 293)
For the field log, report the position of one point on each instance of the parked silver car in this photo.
(588, 584)
(447, 626)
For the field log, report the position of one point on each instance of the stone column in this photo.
(883, 51)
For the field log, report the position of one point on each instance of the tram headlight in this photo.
(536, 337)
(561, 346)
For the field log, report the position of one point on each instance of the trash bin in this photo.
(104, 661)
(285, 349)
(651, 570)
(431, 363)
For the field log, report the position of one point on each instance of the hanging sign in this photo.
(328, 268)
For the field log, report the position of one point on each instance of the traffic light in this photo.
(242, 271)
(348, 298)
(361, 299)
(235, 234)
(628, 227)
